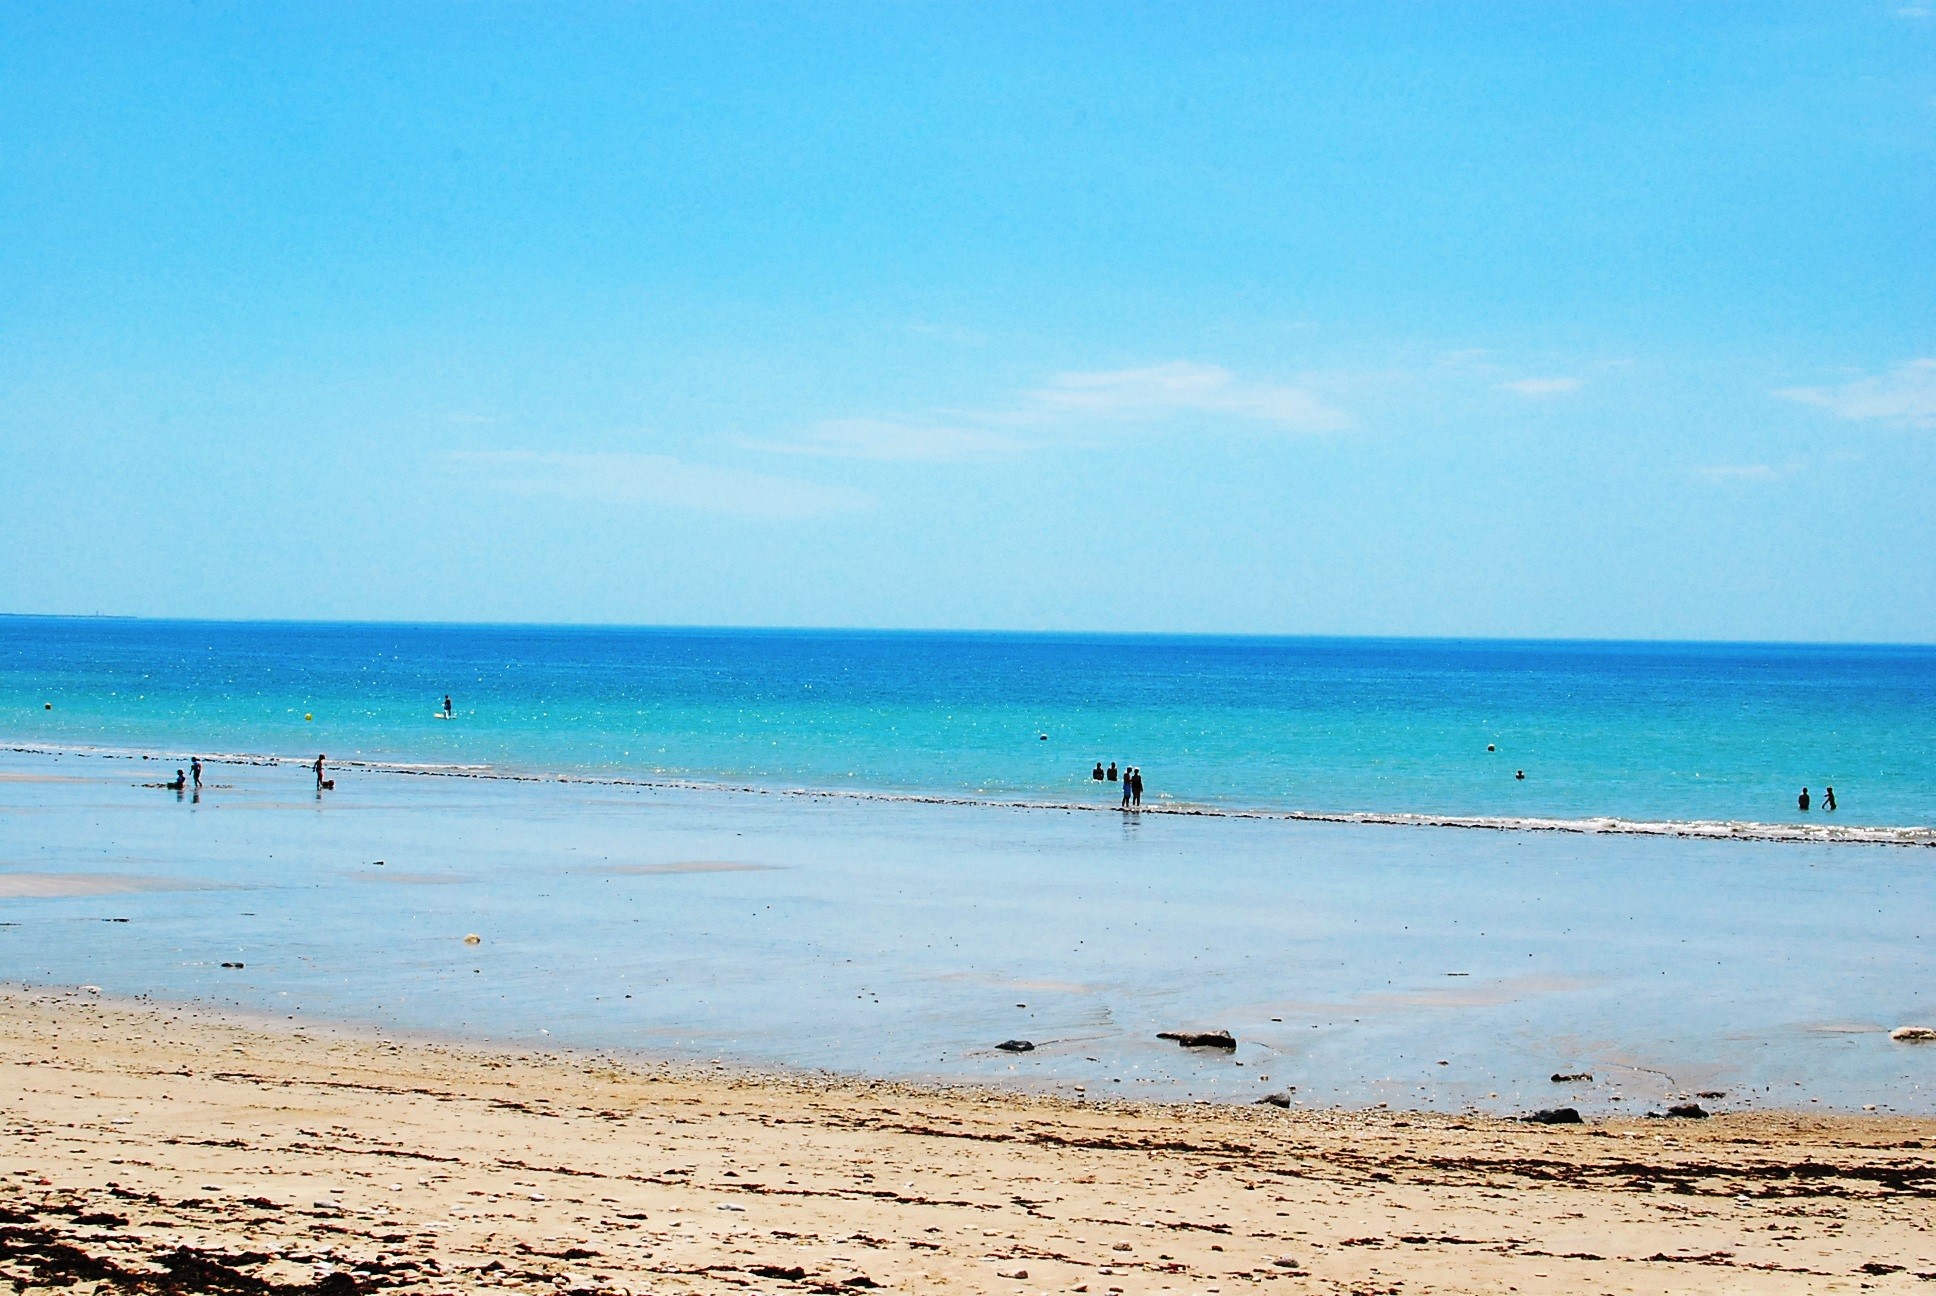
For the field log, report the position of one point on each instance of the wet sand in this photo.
(46, 886)
(157, 1148)
(1449, 970)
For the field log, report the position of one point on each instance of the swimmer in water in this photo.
(1096, 773)
(1801, 802)
(1520, 775)
(1828, 800)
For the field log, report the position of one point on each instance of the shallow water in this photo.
(1654, 732)
(904, 939)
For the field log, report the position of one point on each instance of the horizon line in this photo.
(674, 627)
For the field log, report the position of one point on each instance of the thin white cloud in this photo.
(1739, 472)
(888, 439)
(1180, 387)
(622, 478)
(1541, 388)
(1065, 411)
(1906, 396)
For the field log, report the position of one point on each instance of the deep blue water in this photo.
(1638, 731)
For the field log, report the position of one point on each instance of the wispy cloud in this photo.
(622, 478)
(1161, 391)
(1739, 472)
(888, 439)
(1541, 388)
(1905, 396)
(1066, 410)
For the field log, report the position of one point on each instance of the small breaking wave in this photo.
(1821, 834)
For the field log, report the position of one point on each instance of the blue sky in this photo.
(1415, 319)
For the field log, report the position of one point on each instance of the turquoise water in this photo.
(1662, 732)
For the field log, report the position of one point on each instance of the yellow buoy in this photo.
(308, 716)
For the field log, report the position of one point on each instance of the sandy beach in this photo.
(158, 1148)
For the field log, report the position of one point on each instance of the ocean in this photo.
(1660, 733)
(882, 854)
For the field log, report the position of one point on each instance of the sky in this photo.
(1413, 319)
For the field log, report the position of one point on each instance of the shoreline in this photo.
(742, 1069)
(1916, 835)
(837, 936)
(145, 1140)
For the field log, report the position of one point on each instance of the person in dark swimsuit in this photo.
(1096, 773)
(1828, 800)
(1801, 802)
(1111, 775)
(446, 706)
(319, 772)
(1136, 788)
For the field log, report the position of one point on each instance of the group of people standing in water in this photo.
(1828, 801)
(1131, 779)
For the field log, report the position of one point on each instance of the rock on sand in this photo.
(1222, 1039)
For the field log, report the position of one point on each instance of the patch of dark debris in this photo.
(37, 1255)
(59, 1243)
